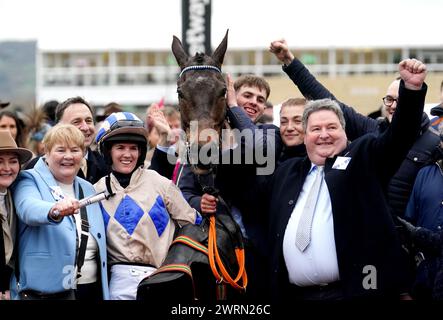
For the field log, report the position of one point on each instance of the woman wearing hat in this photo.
(140, 218)
(61, 248)
(11, 157)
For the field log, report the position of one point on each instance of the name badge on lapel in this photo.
(341, 163)
(57, 193)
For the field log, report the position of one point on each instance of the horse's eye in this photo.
(223, 92)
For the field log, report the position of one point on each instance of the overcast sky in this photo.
(100, 24)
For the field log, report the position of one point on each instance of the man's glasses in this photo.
(388, 100)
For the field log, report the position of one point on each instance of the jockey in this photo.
(141, 217)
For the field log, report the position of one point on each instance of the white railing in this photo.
(99, 76)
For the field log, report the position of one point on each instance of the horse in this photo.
(205, 262)
(201, 87)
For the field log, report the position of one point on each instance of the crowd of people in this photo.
(342, 216)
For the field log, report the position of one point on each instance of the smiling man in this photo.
(252, 92)
(421, 153)
(391, 98)
(78, 112)
(331, 232)
(325, 135)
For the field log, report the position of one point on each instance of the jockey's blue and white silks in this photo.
(118, 120)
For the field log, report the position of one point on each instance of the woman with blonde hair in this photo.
(62, 248)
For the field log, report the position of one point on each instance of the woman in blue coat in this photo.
(59, 258)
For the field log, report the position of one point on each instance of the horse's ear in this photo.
(219, 53)
(179, 53)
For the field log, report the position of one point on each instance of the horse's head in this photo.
(201, 92)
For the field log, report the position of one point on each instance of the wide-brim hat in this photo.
(3, 104)
(7, 144)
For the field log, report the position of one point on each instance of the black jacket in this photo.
(363, 226)
(420, 154)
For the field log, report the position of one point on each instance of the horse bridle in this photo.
(195, 168)
(199, 67)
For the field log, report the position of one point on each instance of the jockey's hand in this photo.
(413, 73)
(281, 51)
(231, 97)
(208, 204)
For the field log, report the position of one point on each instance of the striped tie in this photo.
(303, 235)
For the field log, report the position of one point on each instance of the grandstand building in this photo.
(139, 77)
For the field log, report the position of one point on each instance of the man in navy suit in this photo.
(354, 251)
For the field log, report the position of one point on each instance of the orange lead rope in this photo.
(213, 253)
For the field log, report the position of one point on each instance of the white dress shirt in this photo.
(318, 264)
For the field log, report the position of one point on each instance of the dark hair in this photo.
(251, 80)
(19, 123)
(60, 110)
(109, 109)
(49, 110)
